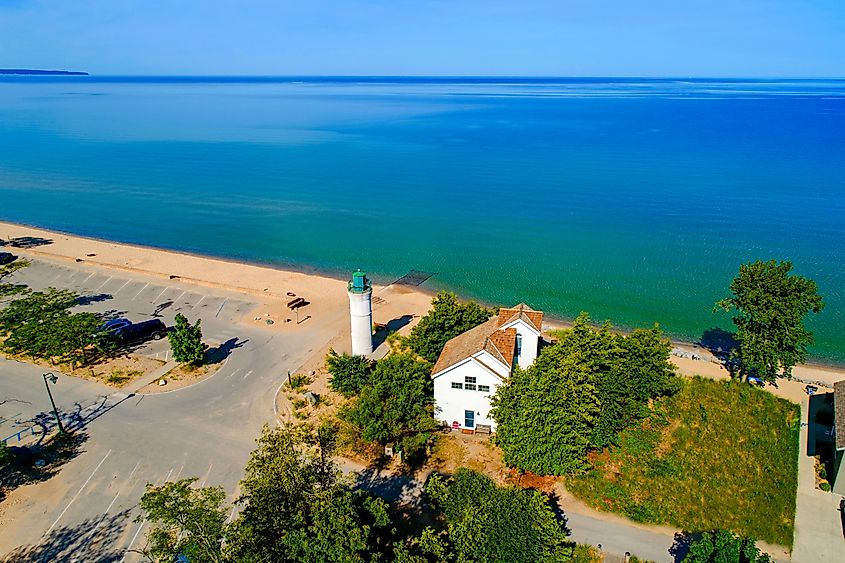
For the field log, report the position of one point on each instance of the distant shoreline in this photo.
(38, 72)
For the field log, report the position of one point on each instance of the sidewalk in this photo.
(818, 522)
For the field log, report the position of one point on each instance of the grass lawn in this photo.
(719, 454)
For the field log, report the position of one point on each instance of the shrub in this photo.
(348, 373)
(825, 486)
(447, 319)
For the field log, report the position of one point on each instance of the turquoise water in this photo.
(635, 200)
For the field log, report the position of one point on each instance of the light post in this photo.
(53, 379)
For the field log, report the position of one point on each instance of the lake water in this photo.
(635, 200)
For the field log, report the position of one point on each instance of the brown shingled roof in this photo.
(523, 311)
(839, 413)
(501, 344)
(465, 345)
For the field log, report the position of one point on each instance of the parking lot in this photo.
(139, 297)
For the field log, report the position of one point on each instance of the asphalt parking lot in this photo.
(139, 297)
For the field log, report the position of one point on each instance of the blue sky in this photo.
(800, 38)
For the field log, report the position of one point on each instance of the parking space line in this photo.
(207, 473)
(103, 284)
(132, 542)
(248, 374)
(88, 278)
(139, 292)
(221, 307)
(121, 287)
(159, 295)
(85, 484)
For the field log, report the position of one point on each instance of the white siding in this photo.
(451, 404)
(530, 342)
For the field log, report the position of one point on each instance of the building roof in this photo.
(488, 336)
(839, 413)
(524, 312)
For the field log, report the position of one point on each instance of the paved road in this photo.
(86, 512)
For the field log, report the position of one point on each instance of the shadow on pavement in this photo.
(94, 539)
(88, 299)
(26, 242)
(222, 351)
(392, 326)
(681, 547)
(38, 462)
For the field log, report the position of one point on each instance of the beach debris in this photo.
(173, 277)
(269, 321)
(90, 255)
(162, 382)
(287, 320)
(290, 294)
(79, 259)
(681, 353)
(257, 319)
(40, 463)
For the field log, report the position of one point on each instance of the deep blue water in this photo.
(633, 199)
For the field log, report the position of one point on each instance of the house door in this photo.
(469, 419)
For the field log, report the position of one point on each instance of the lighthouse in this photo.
(361, 311)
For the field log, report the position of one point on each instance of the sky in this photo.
(675, 38)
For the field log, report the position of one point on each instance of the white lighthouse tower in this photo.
(361, 310)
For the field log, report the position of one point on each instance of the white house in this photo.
(474, 364)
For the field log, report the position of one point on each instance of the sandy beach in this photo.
(274, 288)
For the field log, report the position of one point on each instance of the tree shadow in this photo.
(222, 351)
(403, 493)
(26, 242)
(88, 299)
(93, 539)
(383, 331)
(719, 342)
(40, 461)
(681, 546)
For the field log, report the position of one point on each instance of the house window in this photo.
(470, 386)
(484, 388)
(457, 385)
(518, 348)
(469, 379)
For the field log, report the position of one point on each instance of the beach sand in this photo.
(274, 287)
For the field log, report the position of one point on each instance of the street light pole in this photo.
(53, 379)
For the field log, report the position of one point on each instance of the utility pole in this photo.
(52, 377)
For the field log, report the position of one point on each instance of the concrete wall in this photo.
(450, 404)
(838, 473)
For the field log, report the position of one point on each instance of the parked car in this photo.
(754, 380)
(115, 324)
(6, 258)
(139, 332)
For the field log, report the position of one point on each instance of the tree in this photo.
(545, 414)
(770, 305)
(41, 325)
(498, 524)
(447, 319)
(186, 521)
(725, 547)
(186, 341)
(296, 507)
(396, 402)
(579, 395)
(349, 373)
(9, 289)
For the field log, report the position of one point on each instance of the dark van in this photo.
(138, 332)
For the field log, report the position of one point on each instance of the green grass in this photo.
(719, 454)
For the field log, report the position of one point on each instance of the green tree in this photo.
(545, 414)
(5, 456)
(396, 402)
(349, 373)
(296, 507)
(498, 524)
(9, 289)
(770, 305)
(186, 341)
(580, 394)
(447, 319)
(185, 521)
(41, 325)
(725, 547)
